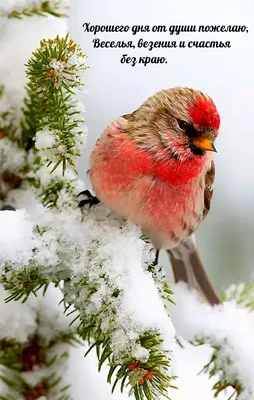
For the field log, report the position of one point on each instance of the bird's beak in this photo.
(204, 143)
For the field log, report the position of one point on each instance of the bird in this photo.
(155, 167)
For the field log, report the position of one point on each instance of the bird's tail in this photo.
(187, 267)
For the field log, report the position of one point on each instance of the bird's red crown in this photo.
(204, 114)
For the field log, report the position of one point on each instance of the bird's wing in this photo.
(185, 258)
(208, 193)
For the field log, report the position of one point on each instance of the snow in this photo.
(99, 246)
(192, 384)
(50, 143)
(20, 321)
(52, 320)
(26, 199)
(187, 363)
(224, 326)
(74, 62)
(12, 158)
(44, 139)
(16, 238)
(57, 65)
(42, 317)
(119, 256)
(17, 321)
(64, 189)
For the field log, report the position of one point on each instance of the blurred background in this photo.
(227, 75)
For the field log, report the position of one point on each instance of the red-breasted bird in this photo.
(155, 168)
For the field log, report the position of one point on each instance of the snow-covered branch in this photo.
(35, 339)
(103, 262)
(20, 8)
(53, 116)
(228, 328)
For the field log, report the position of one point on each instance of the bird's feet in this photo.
(154, 264)
(156, 260)
(91, 200)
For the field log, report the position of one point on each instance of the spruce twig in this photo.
(43, 9)
(52, 116)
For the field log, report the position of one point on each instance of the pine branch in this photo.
(33, 362)
(53, 121)
(20, 359)
(241, 293)
(147, 379)
(214, 369)
(137, 356)
(54, 190)
(45, 8)
(23, 284)
(221, 364)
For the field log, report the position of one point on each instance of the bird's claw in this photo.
(156, 260)
(155, 263)
(91, 200)
(86, 193)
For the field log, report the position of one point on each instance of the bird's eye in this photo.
(182, 124)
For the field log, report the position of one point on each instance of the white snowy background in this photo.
(226, 237)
